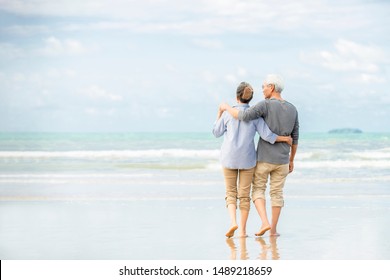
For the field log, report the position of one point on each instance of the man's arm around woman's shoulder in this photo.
(254, 112)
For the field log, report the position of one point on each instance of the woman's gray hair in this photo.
(275, 80)
(244, 92)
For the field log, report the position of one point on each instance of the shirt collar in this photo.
(241, 105)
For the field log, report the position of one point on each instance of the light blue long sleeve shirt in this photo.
(238, 148)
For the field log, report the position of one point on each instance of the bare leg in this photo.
(260, 207)
(275, 218)
(244, 219)
(233, 219)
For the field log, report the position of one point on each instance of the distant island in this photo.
(345, 130)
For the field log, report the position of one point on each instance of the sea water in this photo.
(52, 157)
(161, 196)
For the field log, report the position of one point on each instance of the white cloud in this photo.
(18, 77)
(195, 17)
(349, 48)
(359, 62)
(208, 76)
(146, 9)
(241, 72)
(91, 111)
(208, 43)
(54, 47)
(60, 73)
(73, 47)
(10, 51)
(26, 30)
(239, 76)
(348, 56)
(97, 112)
(96, 92)
(164, 112)
(171, 67)
(366, 78)
(231, 79)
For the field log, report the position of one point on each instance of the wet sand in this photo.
(338, 221)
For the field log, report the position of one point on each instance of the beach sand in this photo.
(320, 221)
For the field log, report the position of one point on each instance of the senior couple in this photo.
(276, 121)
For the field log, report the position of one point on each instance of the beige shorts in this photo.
(277, 174)
(238, 186)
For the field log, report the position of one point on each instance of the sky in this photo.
(166, 65)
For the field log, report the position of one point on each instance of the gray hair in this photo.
(276, 80)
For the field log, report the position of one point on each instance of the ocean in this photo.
(148, 195)
(28, 157)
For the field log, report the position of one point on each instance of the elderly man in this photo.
(274, 161)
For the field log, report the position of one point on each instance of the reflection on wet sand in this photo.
(233, 248)
(272, 248)
(267, 251)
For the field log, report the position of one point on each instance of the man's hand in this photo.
(219, 114)
(290, 141)
(232, 111)
(291, 167)
(294, 148)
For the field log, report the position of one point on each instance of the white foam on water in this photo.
(153, 153)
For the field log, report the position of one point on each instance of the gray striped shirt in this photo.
(282, 118)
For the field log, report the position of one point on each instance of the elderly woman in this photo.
(238, 156)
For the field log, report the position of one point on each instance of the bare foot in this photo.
(242, 235)
(262, 231)
(274, 234)
(231, 231)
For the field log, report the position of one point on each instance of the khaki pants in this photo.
(240, 191)
(278, 174)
